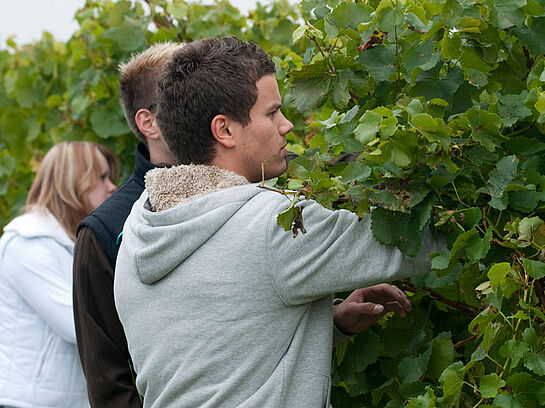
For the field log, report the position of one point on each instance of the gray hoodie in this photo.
(222, 307)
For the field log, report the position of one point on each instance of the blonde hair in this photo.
(66, 175)
(138, 81)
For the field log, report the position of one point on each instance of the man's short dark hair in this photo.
(206, 78)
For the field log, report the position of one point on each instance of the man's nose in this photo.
(286, 126)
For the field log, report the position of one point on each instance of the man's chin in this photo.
(275, 171)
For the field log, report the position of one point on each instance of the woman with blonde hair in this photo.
(39, 363)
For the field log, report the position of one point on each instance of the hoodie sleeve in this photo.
(338, 253)
(34, 271)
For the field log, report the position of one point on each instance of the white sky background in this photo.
(26, 19)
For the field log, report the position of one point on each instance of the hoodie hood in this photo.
(181, 209)
(37, 224)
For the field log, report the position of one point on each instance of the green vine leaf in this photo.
(368, 127)
(536, 269)
(490, 384)
(406, 234)
(442, 356)
(527, 391)
(452, 381)
(535, 362)
(515, 350)
(530, 38)
(512, 109)
(286, 217)
(502, 178)
(506, 13)
(497, 274)
(411, 369)
(427, 400)
(380, 61)
(311, 92)
(107, 120)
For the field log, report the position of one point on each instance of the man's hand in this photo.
(366, 306)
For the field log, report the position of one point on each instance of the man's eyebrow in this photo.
(275, 106)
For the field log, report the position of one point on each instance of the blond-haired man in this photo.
(101, 341)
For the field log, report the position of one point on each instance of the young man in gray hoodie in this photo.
(221, 307)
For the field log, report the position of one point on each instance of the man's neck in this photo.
(228, 162)
(160, 156)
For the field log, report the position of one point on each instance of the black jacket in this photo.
(107, 220)
(102, 345)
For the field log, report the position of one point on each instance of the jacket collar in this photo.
(142, 163)
(36, 224)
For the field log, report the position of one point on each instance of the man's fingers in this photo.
(397, 307)
(385, 293)
(369, 308)
(377, 309)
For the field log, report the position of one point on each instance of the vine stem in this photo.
(464, 341)
(525, 286)
(457, 195)
(479, 403)
(104, 80)
(469, 385)
(502, 244)
(354, 96)
(333, 46)
(486, 222)
(506, 363)
(166, 20)
(494, 361)
(516, 132)
(466, 309)
(537, 284)
(315, 41)
(398, 69)
(506, 319)
(276, 190)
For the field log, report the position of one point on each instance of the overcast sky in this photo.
(26, 19)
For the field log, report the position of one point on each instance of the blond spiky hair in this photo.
(138, 81)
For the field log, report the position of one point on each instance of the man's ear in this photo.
(145, 120)
(222, 132)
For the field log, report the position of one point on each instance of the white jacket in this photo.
(39, 363)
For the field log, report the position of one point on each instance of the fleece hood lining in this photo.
(168, 187)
